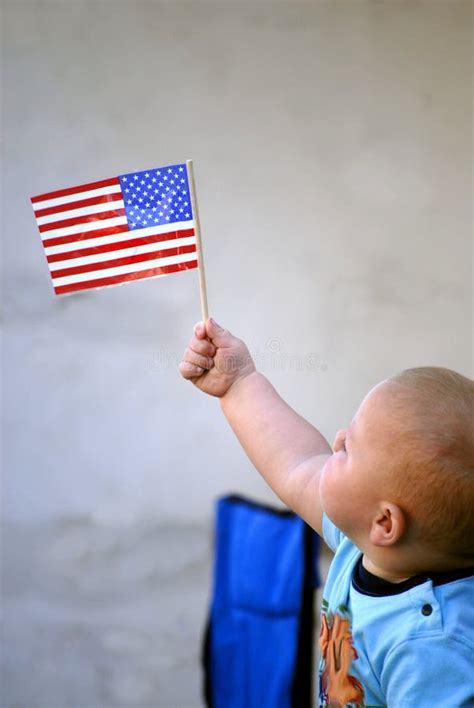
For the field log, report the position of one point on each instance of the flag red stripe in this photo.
(124, 278)
(130, 243)
(81, 220)
(115, 262)
(92, 201)
(85, 235)
(73, 190)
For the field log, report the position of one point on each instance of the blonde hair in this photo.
(438, 440)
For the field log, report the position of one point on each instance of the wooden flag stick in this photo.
(197, 231)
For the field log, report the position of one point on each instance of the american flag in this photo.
(136, 225)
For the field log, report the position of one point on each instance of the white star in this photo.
(181, 168)
(139, 189)
(165, 177)
(172, 181)
(134, 195)
(158, 172)
(135, 176)
(147, 204)
(171, 211)
(142, 181)
(147, 174)
(153, 179)
(129, 201)
(165, 206)
(182, 181)
(124, 179)
(167, 218)
(127, 189)
(181, 210)
(169, 170)
(155, 219)
(134, 224)
(160, 184)
(187, 215)
(161, 213)
(139, 217)
(153, 208)
(169, 199)
(140, 200)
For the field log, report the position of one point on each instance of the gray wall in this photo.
(333, 156)
(332, 148)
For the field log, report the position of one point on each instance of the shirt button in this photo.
(426, 610)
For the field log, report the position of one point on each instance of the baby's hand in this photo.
(215, 359)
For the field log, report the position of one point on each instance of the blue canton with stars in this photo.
(156, 197)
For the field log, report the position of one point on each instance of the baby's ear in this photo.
(388, 525)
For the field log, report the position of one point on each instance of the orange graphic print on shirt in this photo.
(338, 687)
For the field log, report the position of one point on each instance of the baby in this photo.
(394, 501)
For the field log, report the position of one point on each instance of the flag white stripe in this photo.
(116, 238)
(123, 253)
(76, 196)
(83, 211)
(82, 228)
(121, 270)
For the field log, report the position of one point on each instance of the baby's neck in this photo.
(397, 568)
(391, 575)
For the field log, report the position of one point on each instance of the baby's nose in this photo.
(338, 440)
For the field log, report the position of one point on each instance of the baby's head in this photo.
(406, 467)
(435, 480)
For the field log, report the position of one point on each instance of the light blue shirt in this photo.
(414, 649)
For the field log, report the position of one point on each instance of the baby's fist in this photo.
(215, 359)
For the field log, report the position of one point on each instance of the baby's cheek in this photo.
(333, 479)
(325, 482)
(326, 470)
(333, 464)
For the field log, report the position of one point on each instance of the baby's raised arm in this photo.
(287, 450)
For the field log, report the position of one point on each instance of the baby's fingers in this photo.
(189, 371)
(200, 330)
(202, 346)
(193, 357)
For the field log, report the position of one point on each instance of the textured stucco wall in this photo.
(332, 150)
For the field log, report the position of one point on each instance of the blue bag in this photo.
(258, 650)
